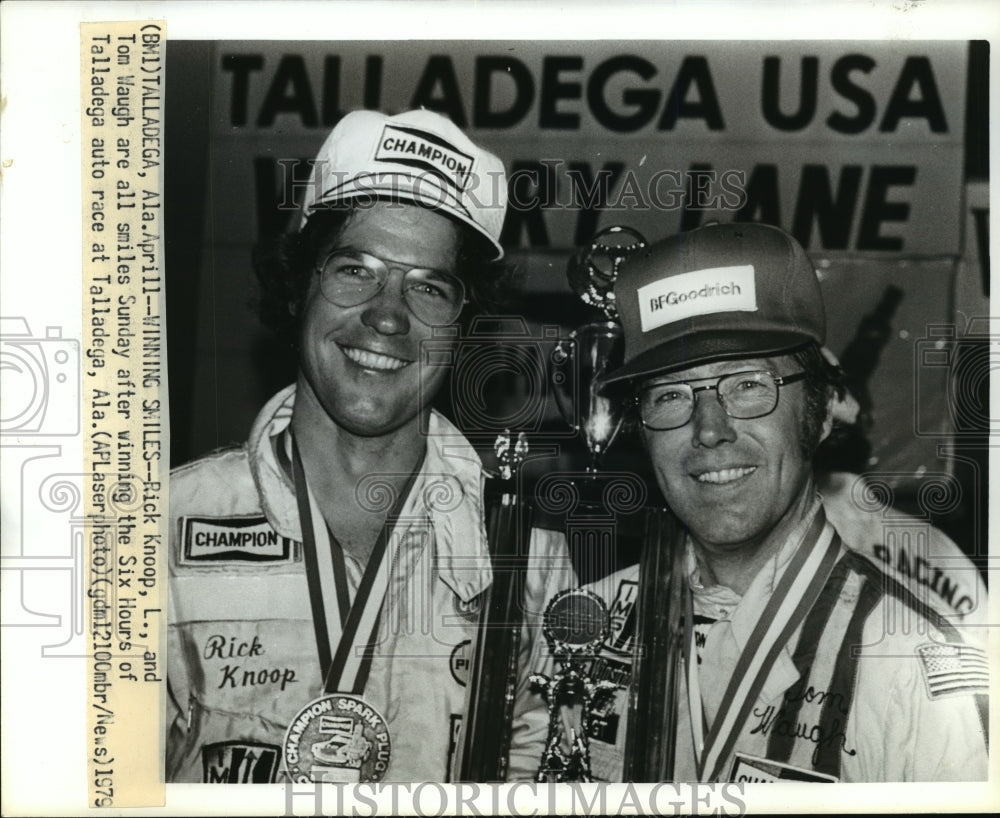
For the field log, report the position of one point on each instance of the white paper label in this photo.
(701, 292)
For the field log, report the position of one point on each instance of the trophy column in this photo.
(597, 503)
(656, 660)
(487, 732)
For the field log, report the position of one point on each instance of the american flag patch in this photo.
(954, 669)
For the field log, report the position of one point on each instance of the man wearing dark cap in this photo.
(326, 578)
(802, 659)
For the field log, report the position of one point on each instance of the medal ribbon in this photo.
(691, 666)
(338, 622)
(794, 595)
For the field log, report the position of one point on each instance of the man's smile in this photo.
(724, 476)
(376, 361)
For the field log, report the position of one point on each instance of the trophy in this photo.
(576, 622)
(575, 625)
(487, 729)
(579, 365)
(580, 362)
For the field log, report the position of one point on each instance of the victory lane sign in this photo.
(846, 147)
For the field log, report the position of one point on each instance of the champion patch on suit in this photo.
(238, 539)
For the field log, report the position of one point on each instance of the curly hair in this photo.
(823, 381)
(284, 266)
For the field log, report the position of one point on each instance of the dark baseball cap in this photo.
(719, 292)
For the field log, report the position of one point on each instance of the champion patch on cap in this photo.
(701, 292)
(410, 146)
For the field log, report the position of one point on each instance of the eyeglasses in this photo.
(350, 277)
(743, 395)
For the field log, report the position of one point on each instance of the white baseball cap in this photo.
(417, 156)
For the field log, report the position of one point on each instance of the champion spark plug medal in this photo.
(339, 737)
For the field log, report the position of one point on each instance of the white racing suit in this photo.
(909, 549)
(242, 647)
(910, 706)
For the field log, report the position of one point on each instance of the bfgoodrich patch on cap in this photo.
(721, 291)
(700, 292)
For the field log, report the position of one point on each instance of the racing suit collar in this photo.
(448, 492)
(744, 612)
(274, 485)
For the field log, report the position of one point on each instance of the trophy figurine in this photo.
(575, 625)
(580, 362)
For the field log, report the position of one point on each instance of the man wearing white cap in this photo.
(326, 578)
(802, 659)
